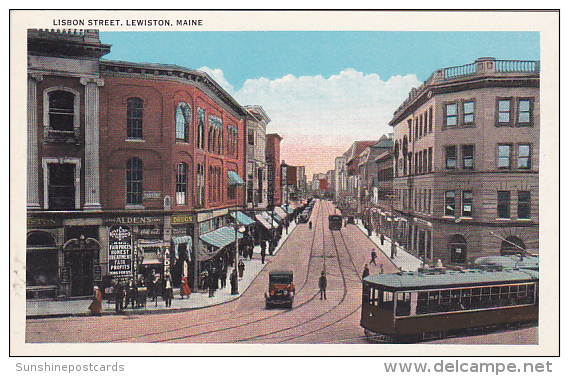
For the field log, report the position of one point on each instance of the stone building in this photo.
(466, 162)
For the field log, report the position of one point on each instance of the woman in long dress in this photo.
(185, 289)
(96, 305)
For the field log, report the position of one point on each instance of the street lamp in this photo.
(239, 228)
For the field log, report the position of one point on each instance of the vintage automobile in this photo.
(281, 289)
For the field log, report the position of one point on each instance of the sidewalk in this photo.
(403, 260)
(79, 307)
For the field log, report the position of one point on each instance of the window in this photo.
(251, 138)
(134, 181)
(430, 159)
(183, 121)
(420, 125)
(467, 203)
(468, 113)
(451, 115)
(61, 186)
(449, 203)
(430, 119)
(450, 157)
(468, 157)
(504, 156)
(134, 108)
(200, 139)
(503, 204)
(524, 156)
(524, 210)
(61, 115)
(182, 184)
(200, 184)
(504, 112)
(525, 112)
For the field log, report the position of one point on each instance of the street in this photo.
(341, 254)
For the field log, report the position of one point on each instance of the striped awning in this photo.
(243, 218)
(265, 219)
(221, 237)
(186, 239)
(280, 212)
(234, 178)
(288, 209)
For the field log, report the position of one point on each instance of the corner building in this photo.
(466, 162)
(172, 158)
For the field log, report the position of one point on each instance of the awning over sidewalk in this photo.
(243, 218)
(288, 208)
(182, 240)
(265, 219)
(234, 178)
(221, 237)
(280, 212)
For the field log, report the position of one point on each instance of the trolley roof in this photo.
(417, 280)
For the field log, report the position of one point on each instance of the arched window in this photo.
(200, 139)
(183, 121)
(512, 245)
(134, 108)
(182, 184)
(457, 245)
(134, 181)
(61, 116)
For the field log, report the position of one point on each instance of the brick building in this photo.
(274, 184)
(466, 162)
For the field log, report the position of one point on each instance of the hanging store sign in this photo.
(120, 251)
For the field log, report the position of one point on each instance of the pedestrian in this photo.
(168, 290)
(365, 272)
(381, 268)
(322, 283)
(382, 238)
(184, 288)
(373, 257)
(96, 305)
(233, 282)
(223, 276)
(241, 267)
(210, 283)
(393, 249)
(368, 228)
(119, 294)
(263, 254)
(130, 293)
(310, 225)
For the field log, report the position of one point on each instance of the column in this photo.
(33, 202)
(92, 194)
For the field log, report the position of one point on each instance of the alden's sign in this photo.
(134, 220)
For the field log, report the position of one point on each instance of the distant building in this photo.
(273, 155)
(256, 181)
(466, 162)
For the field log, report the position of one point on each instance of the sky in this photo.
(323, 90)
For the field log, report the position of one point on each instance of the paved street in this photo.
(245, 320)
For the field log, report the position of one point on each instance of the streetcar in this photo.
(281, 289)
(432, 303)
(335, 222)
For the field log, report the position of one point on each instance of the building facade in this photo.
(257, 121)
(466, 164)
(273, 158)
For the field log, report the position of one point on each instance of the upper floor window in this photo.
(504, 156)
(503, 204)
(62, 115)
(232, 140)
(430, 119)
(200, 139)
(134, 181)
(525, 112)
(467, 203)
(451, 115)
(183, 121)
(251, 138)
(449, 203)
(450, 157)
(468, 113)
(524, 205)
(468, 157)
(182, 184)
(524, 156)
(504, 108)
(134, 107)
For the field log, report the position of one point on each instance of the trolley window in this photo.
(403, 304)
(380, 298)
(475, 298)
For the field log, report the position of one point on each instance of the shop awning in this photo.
(234, 178)
(221, 237)
(266, 221)
(280, 211)
(243, 218)
(182, 240)
(288, 208)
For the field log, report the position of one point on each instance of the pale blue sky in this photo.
(273, 54)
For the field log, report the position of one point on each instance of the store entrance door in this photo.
(80, 264)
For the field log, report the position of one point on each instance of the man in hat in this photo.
(322, 283)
